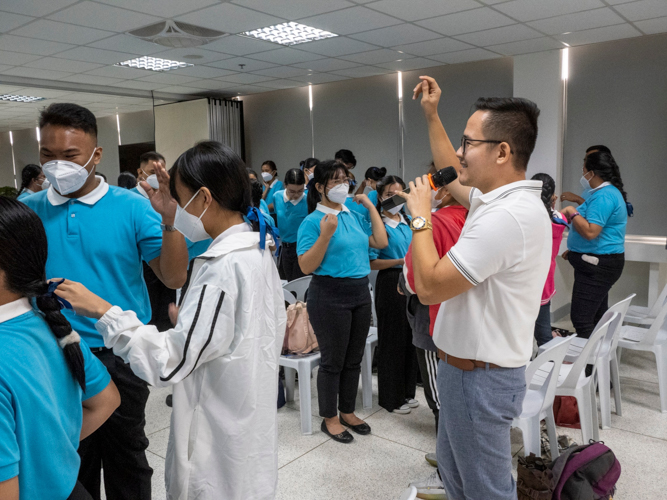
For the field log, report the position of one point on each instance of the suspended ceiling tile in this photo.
(527, 46)
(319, 78)
(4, 67)
(241, 45)
(421, 9)
(410, 64)
(439, 46)
(204, 71)
(376, 56)
(599, 35)
(32, 45)
(294, 9)
(37, 73)
(465, 56)
(165, 8)
(645, 9)
(578, 21)
(354, 20)
(282, 72)
(121, 72)
(653, 26)
(530, 10)
(49, 93)
(90, 54)
(286, 56)
(229, 18)
(10, 21)
(210, 84)
(328, 64)
(246, 90)
(339, 46)
(46, 29)
(246, 78)
(137, 85)
(179, 89)
(37, 8)
(96, 15)
(15, 58)
(203, 56)
(467, 22)
(57, 64)
(249, 64)
(166, 78)
(496, 36)
(362, 72)
(90, 79)
(282, 84)
(397, 35)
(130, 44)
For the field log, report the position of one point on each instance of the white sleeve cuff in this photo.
(109, 317)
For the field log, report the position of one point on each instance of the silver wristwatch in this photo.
(168, 228)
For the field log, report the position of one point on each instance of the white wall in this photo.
(180, 126)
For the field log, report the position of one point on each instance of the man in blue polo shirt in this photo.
(99, 235)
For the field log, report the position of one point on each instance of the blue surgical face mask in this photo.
(585, 183)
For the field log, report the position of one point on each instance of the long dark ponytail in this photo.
(28, 174)
(324, 172)
(23, 256)
(548, 190)
(604, 166)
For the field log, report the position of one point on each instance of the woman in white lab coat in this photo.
(222, 355)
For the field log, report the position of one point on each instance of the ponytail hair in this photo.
(28, 174)
(23, 256)
(375, 173)
(605, 167)
(324, 172)
(383, 184)
(548, 190)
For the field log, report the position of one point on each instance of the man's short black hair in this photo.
(151, 156)
(346, 156)
(512, 120)
(599, 147)
(65, 114)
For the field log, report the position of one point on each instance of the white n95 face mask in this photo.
(310, 176)
(338, 194)
(46, 184)
(66, 176)
(266, 176)
(153, 182)
(190, 225)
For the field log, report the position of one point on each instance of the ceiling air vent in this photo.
(176, 34)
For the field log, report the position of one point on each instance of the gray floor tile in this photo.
(158, 414)
(291, 443)
(641, 409)
(158, 441)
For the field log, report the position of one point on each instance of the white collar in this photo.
(273, 183)
(141, 190)
(90, 199)
(287, 200)
(533, 187)
(26, 190)
(237, 237)
(328, 210)
(604, 184)
(391, 222)
(14, 309)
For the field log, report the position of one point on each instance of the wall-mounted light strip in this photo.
(39, 138)
(400, 85)
(565, 64)
(312, 124)
(11, 144)
(118, 127)
(310, 97)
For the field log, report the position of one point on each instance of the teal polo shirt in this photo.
(347, 253)
(399, 235)
(289, 215)
(273, 189)
(40, 405)
(24, 194)
(100, 240)
(605, 207)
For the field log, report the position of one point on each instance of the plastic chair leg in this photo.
(553, 437)
(367, 376)
(661, 360)
(585, 414)
(290, 376)
(605, 392)
(594, 414)
(305, 399)
(530, 428)
(616, 380)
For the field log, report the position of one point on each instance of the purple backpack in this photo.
(587, 472)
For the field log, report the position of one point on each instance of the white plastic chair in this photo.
(652, 339)
(369, 350)
(409, 494)
(298, 287)
(645, 315)
(572, 380)
(607, 362)
(538, 403)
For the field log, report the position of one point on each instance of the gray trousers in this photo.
(474, 450)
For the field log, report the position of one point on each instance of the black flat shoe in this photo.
(168, 400)
(363, 429)
(343, 437)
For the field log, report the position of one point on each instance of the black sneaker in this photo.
(168, 401)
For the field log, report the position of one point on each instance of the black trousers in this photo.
(288, 262)
(591, 289)
(160, 297)
(340, 312)
(397, 360)
(119, 445)
(428, 367)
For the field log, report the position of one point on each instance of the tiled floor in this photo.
(381, 465)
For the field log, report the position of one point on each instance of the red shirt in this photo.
(447, 225)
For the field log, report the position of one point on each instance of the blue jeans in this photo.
(473, 444)
(543, 325)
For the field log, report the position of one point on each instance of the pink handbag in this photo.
(299, 335)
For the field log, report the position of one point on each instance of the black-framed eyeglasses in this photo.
(466, 140)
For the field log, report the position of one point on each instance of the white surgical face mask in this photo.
(66, 176)
(190, 225)
(152, 181)
(46, 184)
(338, 194)
(266, 176)
(310, 176)
(434, 202)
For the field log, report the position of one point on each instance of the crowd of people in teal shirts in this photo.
(72, 401)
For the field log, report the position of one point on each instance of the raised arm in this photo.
(379, 237)
(444, 154)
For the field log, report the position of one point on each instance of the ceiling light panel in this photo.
(289, 34)
(20, 98)
(153, 64)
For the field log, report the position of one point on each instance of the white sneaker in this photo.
(403, 410)
(430, 488)
(412, 403)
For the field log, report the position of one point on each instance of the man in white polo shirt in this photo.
(489, 284)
